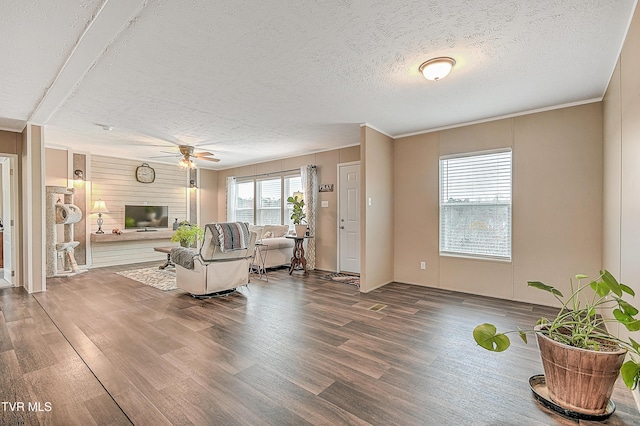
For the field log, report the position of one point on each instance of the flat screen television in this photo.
(146, 217)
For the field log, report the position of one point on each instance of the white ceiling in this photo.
(257, 80)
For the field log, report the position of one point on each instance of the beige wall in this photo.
(326, 217)
(557, 198)
(208, 192)
(612, 197)
(622, 164)
(56, 168)
(10, 142)
(32, 197)
(558, 210)
(377, 215)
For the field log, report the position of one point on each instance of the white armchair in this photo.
(212, 270)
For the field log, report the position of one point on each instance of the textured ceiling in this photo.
(254, 80)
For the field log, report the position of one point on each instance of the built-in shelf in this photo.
(132, 236)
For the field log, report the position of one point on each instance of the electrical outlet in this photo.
(423, 265)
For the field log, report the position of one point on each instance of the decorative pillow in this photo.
(259, 230)
(267, 234)
(277, 230)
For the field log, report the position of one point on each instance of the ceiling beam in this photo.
(111, 19)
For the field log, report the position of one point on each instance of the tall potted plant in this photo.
(187, 234)
(580, 357)
(298, 215)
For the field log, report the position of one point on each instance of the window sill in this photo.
(480, 258)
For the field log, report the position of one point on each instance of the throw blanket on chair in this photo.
(183, 256)
(233, 235)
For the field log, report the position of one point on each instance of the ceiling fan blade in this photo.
(166, 156)
(215, 160)
(203, 154)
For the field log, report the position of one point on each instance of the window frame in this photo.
(257, 182)
(468, 254)
(284, 205)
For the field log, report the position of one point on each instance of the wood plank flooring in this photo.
(104, 349)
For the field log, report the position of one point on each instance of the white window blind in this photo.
(244, 201)
(269, 201)
(475, 205)
(259, 200)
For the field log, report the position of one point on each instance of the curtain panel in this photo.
(309, 176)
(231, 199)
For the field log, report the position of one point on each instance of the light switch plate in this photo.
(324, 204)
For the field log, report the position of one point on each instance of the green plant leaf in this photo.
(592, 344)
(542, 286)
(581, 276)
(635, 344)
(621, 316)
(633, 325)
(485, 335)
(523, 335)
(627, 308)
(627, 290)
(611, 282)
(630, 373)
(600, 288)
(542, 321)
(627, 320)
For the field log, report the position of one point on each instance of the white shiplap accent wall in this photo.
(113, 180)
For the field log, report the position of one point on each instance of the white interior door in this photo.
(6, 218)
(349, 218)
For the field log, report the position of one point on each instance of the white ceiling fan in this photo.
(189, 153)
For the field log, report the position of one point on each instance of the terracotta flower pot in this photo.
(579, 379)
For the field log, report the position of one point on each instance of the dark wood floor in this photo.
(103, 349)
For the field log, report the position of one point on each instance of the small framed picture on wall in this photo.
(326, 187)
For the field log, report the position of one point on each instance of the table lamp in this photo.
(100, 207)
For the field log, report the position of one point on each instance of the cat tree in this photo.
(61, 211)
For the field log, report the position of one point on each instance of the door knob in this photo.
(342, 227)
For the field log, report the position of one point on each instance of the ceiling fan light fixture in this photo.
(437, 68)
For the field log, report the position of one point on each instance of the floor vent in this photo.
(377, 307)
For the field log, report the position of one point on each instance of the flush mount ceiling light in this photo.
(437, 68)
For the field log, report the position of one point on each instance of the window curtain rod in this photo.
(270, 174)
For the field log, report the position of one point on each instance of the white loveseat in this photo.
(280, 248)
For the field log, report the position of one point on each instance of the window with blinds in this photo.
(244, 201)
(259, 201)
(269, 201)
(475, 205)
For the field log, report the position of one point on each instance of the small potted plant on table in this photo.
(187, 234)
(298, 215)
(580, 357)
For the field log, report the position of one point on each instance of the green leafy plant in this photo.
(298, 215)
(578, 323)
(187, 234)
